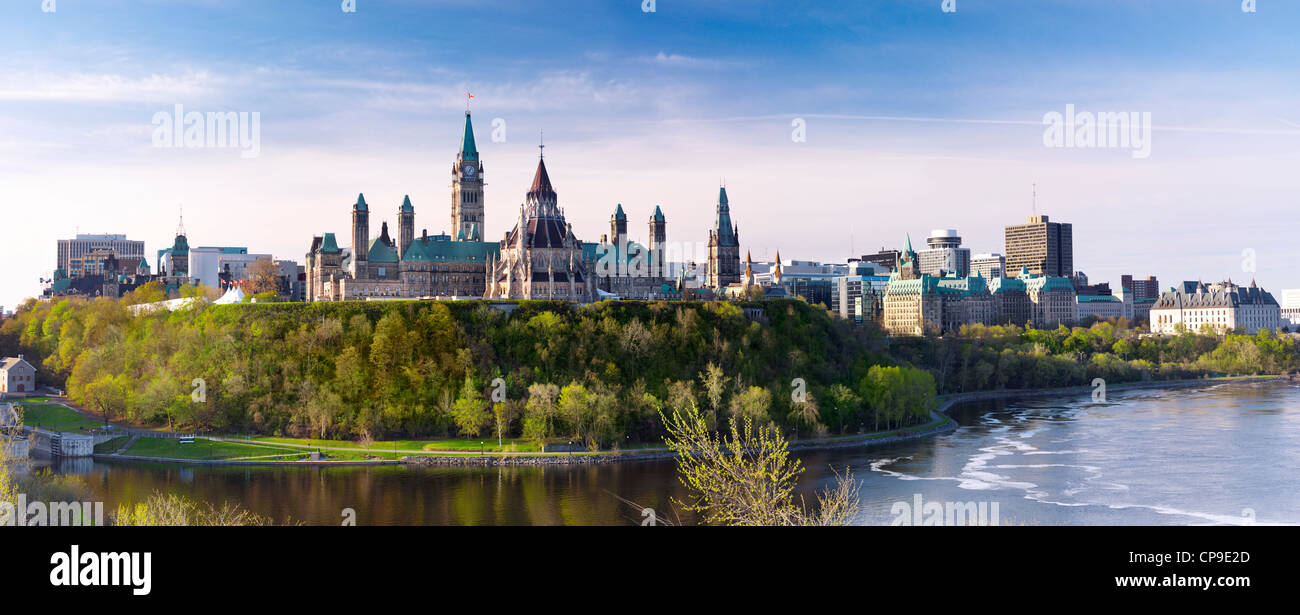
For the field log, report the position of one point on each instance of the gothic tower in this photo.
(618, 229)
(658, 239)
(724, 246)
(360, 236)
(467, 189)
(180, 257)
(405, 227)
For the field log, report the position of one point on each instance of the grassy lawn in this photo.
(54, 416)
(203, 449)
(468, 446)
(111, 446)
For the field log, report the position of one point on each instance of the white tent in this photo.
(234, 295)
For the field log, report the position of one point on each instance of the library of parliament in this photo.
(540, 258)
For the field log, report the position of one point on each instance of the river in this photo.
(1220, 454)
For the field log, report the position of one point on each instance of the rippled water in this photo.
(1214, 455)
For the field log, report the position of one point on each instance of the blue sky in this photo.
(916, 119)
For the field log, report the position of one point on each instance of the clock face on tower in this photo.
(469, 170)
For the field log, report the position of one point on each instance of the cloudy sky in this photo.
(914, 119)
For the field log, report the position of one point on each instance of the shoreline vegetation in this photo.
(940, 423)
(382, 381)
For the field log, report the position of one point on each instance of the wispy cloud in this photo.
(106, 87)
(683, 61)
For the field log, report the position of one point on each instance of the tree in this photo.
(539, 412)
(748, 477)
(843, 403)
(806, 412)
(263, 276)
(501, 420)
(107, 395)
(470, 411)
(575, 406)
(715, 383)
(752, 405)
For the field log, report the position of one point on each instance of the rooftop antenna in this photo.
(541, 143)
(180, 226)
(1035, 199)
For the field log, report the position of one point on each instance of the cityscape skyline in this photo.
(924, 137)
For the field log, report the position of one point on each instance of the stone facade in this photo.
(17, 376)
(724, 247)
(409, 267)
(540, 258)
(1220, 307)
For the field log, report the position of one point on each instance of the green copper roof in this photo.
(406, 204)
(468, 151)
(1046, 283)
(907, 247)
(329, 244)
(433, 250)
(361, 203)
(618, 213)
(182, 246)
(381, 252)
(1001, 285)
(722, 224)
(658, 215)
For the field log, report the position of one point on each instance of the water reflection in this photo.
(1144, 457)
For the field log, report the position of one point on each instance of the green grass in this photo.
(517, 445)
(111, 446)
(56, 417)
(204, 449)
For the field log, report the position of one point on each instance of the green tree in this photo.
(470, 411)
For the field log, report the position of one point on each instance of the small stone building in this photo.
(17, 376)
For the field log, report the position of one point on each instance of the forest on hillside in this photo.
(601, 373)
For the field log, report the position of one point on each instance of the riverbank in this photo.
(939, 423)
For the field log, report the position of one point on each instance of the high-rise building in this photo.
(1043, 247)
(1291, 306)
(1141, 289)
(988, 266)
(944, 255)
(884, 258)
(83, 245)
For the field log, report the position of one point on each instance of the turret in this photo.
(360, 230)
(618, 229)
(405, 227)
(658, 241)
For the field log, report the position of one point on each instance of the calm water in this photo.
(1209, 455)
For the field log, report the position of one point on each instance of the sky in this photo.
(838, 127)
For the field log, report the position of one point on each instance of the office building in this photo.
(988, 266)
(125, 249)
(944, 255)
(1042, 247)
